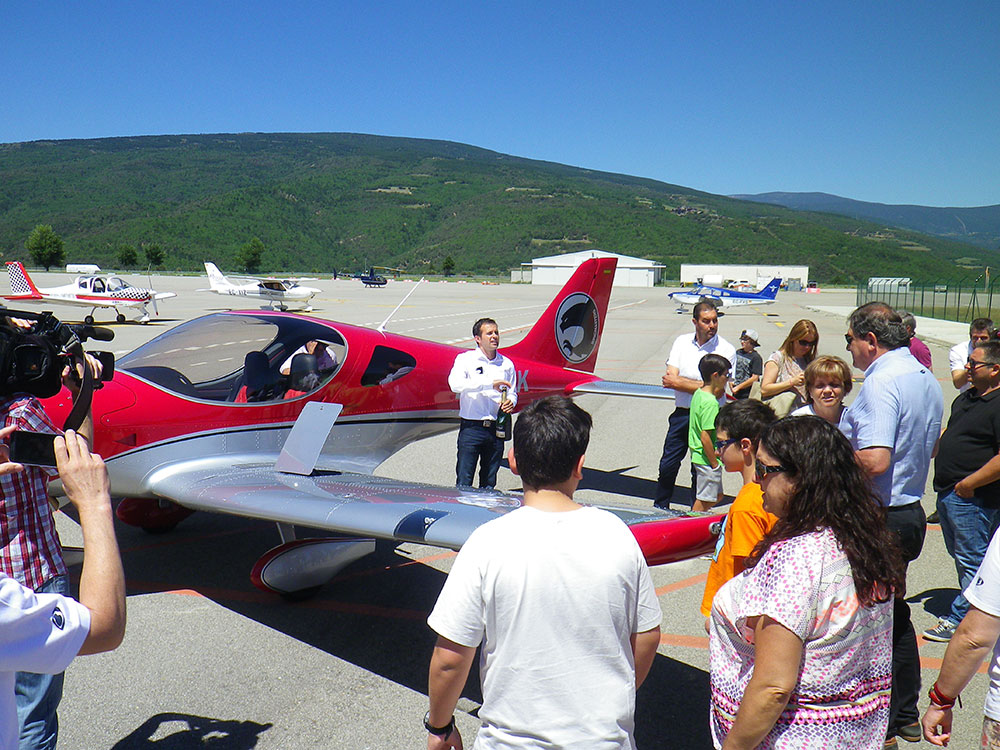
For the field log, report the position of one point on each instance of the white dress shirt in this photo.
(958, 355)
(472, 377)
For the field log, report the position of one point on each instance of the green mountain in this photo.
(325, 201)
(979, 225)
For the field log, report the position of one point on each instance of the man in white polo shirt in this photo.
(683, 376)
(477, 377)
(980, 331)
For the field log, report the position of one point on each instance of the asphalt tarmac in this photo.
(210, 661)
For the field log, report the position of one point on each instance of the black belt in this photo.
(487, 423)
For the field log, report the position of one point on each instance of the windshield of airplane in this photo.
(115, 283)
(240, 358)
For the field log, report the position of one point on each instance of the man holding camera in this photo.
(46, 631)
(30, 551)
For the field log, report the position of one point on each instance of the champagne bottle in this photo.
(502, 429)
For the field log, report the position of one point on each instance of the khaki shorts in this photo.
(707, 482)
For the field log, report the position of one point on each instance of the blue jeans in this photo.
(477, 445)
(675, 447)
(38, 695)
(967, 527)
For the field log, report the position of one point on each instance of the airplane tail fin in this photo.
(216, 278)
(568, 333)
(21, 284)
(771, 290)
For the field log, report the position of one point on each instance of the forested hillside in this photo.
(320, 202)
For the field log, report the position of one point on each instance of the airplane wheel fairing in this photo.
(297, 569)
(152, 516)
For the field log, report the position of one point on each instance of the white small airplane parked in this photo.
(275, 291)
(728, 297)
(91, 290)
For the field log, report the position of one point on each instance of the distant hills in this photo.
(979, 225)
(325, 201)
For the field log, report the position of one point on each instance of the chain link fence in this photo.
(961, 300)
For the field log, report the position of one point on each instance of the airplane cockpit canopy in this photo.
(116, 283)
(240, 358)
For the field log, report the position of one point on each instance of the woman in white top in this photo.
(784, 371)
(828, 381)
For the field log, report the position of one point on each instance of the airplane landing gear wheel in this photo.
(120, 318)
(89, 320)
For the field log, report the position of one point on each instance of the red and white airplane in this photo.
(201, 418)
(92, 290)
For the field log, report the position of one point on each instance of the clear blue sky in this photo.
(896, 102)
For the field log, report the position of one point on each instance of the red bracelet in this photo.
(939, 699)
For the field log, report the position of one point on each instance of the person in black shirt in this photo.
(967, 477)
(748, 366)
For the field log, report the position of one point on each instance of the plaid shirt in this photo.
(30, 552)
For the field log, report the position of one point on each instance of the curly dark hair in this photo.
(832, 491)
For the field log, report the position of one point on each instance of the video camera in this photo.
(35, 347)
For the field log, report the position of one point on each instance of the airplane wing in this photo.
(370, 506)
(618, 388)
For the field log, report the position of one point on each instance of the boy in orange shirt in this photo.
(737, 430)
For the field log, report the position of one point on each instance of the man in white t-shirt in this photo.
(42, 633)
(559, 598)
(683, 376)
(976, 635)
(980, 330)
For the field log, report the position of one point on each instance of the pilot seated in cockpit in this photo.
(326, 359)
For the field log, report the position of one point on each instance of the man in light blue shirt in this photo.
(894, 424)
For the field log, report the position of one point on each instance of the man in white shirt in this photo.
(41, 632)
(477, 377)
(683, 376)
(980, 331)
(560, 600)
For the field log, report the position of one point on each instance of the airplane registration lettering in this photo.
(522, 381)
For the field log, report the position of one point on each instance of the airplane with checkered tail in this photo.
(90, 290)
(209, 417)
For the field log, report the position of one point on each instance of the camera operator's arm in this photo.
(102, 582)
(73, 379)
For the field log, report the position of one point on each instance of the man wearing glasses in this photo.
(894, 424)
(967, 477)
(684, 377)
(980, 331)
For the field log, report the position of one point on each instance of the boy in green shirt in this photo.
(705, 465)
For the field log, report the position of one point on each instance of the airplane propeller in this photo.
(152, 292)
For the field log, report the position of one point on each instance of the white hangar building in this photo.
(555, 270)
(756, 275)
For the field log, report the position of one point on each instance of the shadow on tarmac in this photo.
(372, 615)
(193, 732)
(935, 601)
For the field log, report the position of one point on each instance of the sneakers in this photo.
(940, 633)
(891, 744)
(933, 518)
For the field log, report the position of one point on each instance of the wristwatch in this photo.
(439, 731)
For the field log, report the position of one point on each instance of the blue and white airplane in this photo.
(728, 297)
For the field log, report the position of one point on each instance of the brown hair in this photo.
(832, 368)
(800, 330)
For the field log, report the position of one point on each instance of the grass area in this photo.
(329, 201)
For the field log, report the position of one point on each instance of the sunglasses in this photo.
(763, 469)
(848, 338)
(721, 445)
(973, 364)
(807, 344)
